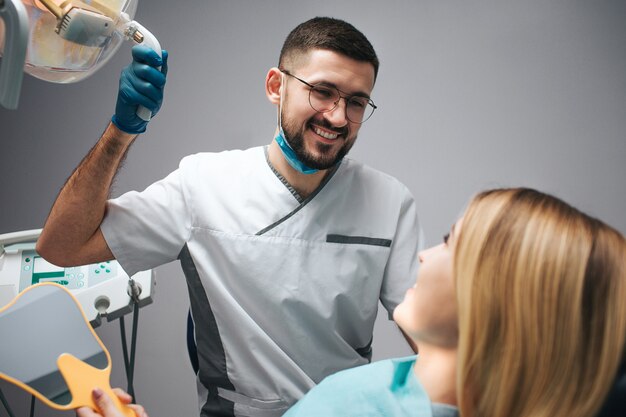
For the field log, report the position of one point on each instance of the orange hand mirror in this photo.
(49, 349)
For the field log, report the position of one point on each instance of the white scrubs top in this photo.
(284, 291)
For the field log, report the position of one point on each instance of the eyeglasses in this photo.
(324, 98)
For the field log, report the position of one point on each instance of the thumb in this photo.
(105, 403)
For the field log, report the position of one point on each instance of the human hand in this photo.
(141, 83)
(107, 407)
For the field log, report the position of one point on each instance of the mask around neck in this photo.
(291, 156)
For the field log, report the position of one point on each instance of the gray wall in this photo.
(471, 95)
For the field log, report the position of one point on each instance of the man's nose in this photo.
(337, 116)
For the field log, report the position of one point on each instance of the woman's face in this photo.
(428, 312)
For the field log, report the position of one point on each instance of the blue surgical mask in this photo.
(291, 156)
(285, 148)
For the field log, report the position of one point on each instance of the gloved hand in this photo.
(141, 83)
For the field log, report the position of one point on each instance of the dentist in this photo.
(287, 248)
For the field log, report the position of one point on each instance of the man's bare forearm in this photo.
(71, 235)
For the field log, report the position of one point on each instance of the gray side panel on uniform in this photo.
(211, 358)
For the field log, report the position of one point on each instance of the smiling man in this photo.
(286, 248)
(319, 117)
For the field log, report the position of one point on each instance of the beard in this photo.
(324, 159)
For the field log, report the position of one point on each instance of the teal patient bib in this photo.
(384, 388)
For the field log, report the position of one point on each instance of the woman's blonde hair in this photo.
(541, 290)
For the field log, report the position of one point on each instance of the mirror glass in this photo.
(44, 322)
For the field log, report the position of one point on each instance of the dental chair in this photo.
(615, 404)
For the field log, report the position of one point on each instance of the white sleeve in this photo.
(148, 229)
(402, 265)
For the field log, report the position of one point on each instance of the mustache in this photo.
(343, 131)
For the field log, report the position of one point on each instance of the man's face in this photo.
(320, 140)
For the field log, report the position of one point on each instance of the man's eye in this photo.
(323, 93)
(359, 103)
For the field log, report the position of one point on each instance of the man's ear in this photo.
(273, 84)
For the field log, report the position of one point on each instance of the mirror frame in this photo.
(80, 377)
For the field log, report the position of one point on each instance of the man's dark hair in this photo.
(330, 34)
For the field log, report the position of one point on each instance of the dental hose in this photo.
(134, 291)
(6, 404)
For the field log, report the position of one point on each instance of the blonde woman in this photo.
(519, 312)
(541, 293)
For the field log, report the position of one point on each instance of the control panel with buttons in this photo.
(101, 288)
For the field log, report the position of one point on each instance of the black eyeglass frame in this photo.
(341, 94)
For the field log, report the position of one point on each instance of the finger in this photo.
(146, 55)
(105, 403)
(139, 410)
(86, 412)
(136, 92)
(149, 74)
(123, 395)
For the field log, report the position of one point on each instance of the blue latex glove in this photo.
(141, 83)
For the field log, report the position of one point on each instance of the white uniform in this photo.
(284, 291)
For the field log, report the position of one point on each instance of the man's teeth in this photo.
(325, 134)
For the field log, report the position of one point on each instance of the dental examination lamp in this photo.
(64, 41)
(13, 13)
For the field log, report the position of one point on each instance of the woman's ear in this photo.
(273, 84)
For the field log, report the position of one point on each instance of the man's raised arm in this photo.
(71, 235)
